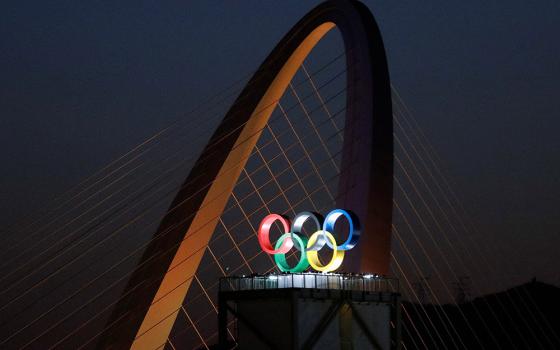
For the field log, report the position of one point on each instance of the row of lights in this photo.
(366, 276)
(275, 276)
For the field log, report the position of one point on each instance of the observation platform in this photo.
(366, 283)
(309, 311)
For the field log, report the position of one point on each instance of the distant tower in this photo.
(462, 289)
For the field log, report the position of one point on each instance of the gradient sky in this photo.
(83, 82)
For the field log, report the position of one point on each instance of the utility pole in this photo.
(421, 289)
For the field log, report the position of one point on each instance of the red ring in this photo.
(263, 234)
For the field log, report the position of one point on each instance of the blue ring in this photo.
(353, 232)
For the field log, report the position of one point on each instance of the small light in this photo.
(272, 277)
(368, 276)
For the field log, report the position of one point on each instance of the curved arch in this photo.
(367, 187)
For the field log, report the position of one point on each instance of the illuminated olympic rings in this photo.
(309, 247)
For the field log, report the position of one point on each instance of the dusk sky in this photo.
(83, 82)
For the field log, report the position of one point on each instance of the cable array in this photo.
(61, 280)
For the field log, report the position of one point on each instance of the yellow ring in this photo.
(313, 256)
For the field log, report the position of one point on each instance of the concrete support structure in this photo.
(274, 317)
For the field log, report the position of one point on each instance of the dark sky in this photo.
(83, 82)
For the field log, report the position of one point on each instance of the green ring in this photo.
(280, 258)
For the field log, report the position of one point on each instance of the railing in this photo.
(351, 282)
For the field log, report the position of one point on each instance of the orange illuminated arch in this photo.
(145, 315)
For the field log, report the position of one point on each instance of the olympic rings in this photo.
(313, 256)
(280, 258)
(353, 231)
(309, 248)
(297, 226)
(264, 235)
